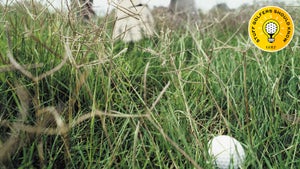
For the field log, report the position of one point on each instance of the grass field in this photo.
(71, 97)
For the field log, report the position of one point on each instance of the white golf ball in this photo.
(226, 152)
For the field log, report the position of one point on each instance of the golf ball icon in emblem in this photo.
(271, 29)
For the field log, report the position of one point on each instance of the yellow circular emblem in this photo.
(271, 28)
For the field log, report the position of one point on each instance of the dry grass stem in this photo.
(29, 74)
(145, 82)
(17, 66)
(14, 141)
(7, 68)
(159, 96)
(62, 128)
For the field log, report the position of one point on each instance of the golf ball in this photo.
(226, 152)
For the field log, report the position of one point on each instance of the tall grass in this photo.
(152, 104)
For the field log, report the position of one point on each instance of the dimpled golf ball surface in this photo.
(226, 152)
